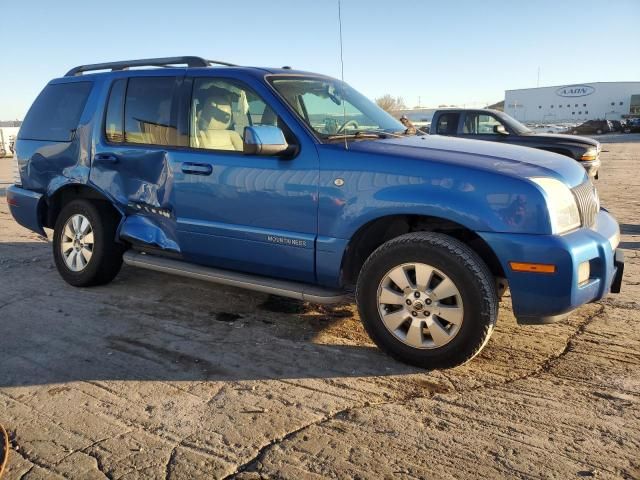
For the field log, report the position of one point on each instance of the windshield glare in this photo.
(514, 124)
(331, 107)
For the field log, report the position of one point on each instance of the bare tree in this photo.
(391, 104)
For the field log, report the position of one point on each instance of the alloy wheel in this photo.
(420, 305)
(77, 242)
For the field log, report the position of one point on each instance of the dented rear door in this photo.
(134, 151)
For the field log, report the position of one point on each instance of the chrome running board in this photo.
(283, 288)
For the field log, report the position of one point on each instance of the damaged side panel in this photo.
(140, 182)
(137, 175)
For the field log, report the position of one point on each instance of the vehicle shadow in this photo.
(151, 326)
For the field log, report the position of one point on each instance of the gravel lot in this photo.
(162, 377)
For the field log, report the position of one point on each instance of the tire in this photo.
(449, 258)
(104, 254)
(575, 132)
(599, 132)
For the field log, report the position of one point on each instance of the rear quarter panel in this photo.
(46, 166)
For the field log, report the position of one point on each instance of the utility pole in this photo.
(538, 77)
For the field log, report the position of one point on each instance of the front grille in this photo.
(588, 203)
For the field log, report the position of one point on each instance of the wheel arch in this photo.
(382, 229)
(57, 200)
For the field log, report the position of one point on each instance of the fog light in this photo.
(583, 273)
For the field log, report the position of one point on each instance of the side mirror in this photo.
(500, 130)
(264, 140)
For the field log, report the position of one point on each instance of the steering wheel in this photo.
(346, 124)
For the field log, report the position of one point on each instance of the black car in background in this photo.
(618, 125)
(632, 125)
(591, 127)
(497, 126)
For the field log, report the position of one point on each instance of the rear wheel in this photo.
(84, 246)
(428, 300)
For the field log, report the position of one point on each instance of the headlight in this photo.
(561, 204)
(590, 154)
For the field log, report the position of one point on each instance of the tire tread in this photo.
(470, 260)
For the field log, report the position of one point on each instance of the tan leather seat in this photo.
(215, 121)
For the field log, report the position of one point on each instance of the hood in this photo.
(511, 160)
(563, 138)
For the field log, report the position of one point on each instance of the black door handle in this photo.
(106, 158)
(197, 168)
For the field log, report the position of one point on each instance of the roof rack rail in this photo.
(190, 62)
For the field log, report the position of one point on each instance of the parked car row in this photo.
(632, 125)
(590, 127)
(597, 127)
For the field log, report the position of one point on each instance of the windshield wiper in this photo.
(360, 134)
(364, 134)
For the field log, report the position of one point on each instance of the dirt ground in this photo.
(155, 376)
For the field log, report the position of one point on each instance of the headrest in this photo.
(216, 112)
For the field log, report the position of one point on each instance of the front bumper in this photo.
(26, 208)
(544, 298)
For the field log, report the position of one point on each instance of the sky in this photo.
(431, 52)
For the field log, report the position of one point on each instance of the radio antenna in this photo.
(344, 106)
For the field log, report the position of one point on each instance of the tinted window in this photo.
(114, 130)
(447, 124)
(148, 116)
(56, 112)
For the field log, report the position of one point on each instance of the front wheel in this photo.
(84, 246)
(427, 300)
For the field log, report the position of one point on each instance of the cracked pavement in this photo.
(155, 376)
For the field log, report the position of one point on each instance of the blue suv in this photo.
(295, 184)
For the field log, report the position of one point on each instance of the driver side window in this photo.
(480, 124)
(220, 110)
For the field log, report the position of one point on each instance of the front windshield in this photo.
(514, 124)
(332, 108)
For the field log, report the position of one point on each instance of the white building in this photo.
(574, 103)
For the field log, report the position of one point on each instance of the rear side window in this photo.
(447, 124)
(114, 128)
(149, 116)
(56, 112)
